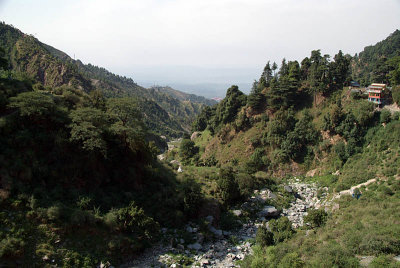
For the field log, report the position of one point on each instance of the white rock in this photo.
(237, 212)
(268, 211)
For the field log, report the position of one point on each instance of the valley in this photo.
(97, 171)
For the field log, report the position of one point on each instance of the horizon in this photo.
(204, 47)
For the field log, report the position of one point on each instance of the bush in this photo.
(55, 213)
(247, 183)
(291, 260)
(385, 116)
(383, 261)
(333, 255)
(396, 94)
(396, 116)
(111, 219)
(227, 187)
(281, 228)
(264, 237)
(132, 219)
(187, 150)
(316, 218)
(11, 247)
(257, 161)
(340, 150)
(80, 218)
(192, 197)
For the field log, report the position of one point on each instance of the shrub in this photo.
(247, 183)
(281, 228)
(80, 218)
(291, 260)
(385, 116)
(256, 161)
(396, 94)
(396, 116)
(187, 150)
(11, 247)
(192, 197)
(132, 219)
(74, 259)
(84, 202)
(264, 237)
(340, 150)
(383, 261)
(229, 221)
(111, 219)
(316, 218)
(333, 255)
(55, 213)
(227, 187)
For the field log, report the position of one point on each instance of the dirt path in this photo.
(392, 108)
(351, 190)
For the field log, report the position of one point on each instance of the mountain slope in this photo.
(182, 95)
(301, 118)
(375, 62)
(53, 68)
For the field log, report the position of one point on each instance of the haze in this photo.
(201, 46)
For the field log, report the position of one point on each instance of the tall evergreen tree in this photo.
(256, 99)
(274, 68)
(340, 69)
(284, 70)
(267, 74)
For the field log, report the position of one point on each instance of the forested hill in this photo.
(165, 112)
(376, 63)
(182, 95)
(301, 115)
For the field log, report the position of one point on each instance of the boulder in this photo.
(210, 219)
(216, 232)
(271, 195)
(200, 238)
(204, 262)
(288, 189)
(237, 212)
(195, 135)
(268, 211)
(175, 162)
(195, 246)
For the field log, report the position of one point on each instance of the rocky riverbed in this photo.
(219, 248)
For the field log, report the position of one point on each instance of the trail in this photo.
(351, 190)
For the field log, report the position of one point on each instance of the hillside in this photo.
(32, 59)
(302, 125)
(182, 96)
(376, 62)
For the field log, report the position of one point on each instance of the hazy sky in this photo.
(205, 41)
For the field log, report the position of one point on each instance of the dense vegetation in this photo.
(80, 183)
(76, 161)
(379, 63)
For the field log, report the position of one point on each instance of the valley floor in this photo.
(227, 248)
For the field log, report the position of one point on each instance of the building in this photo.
(354, 84)
(376, 93)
